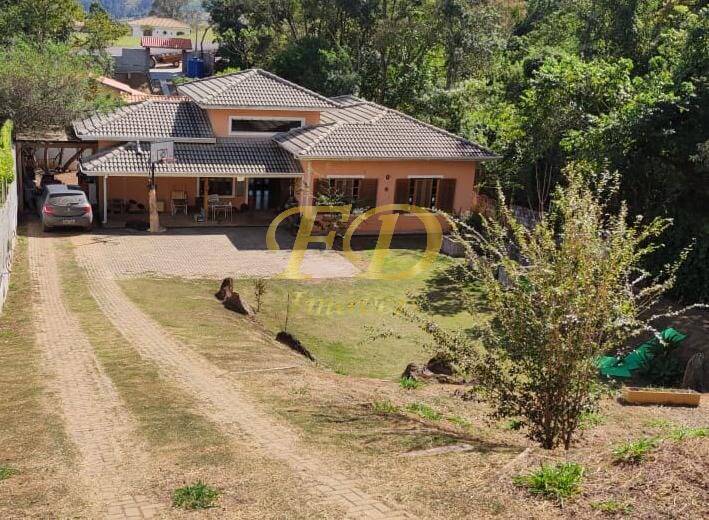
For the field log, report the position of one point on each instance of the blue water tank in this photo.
(195, 68)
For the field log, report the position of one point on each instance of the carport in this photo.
(51, 156)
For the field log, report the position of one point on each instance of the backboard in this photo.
(162, 151)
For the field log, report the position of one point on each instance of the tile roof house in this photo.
(158, 26)
(263, 142)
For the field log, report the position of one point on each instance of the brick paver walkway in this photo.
(95, 419)
(225, 402)
(231, 252)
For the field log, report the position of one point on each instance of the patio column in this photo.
(105, 199)
(205, 194)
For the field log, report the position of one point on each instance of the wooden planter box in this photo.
(666, 396)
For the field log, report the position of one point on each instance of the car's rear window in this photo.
(66, 199)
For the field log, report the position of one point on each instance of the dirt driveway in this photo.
(207, 253)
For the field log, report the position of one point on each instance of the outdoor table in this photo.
(221, 207)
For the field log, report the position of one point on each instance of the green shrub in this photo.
(557, 482)
(682, 432)
(612, 507)
(385, 407)
(409, 383)
(633, 452)
(588, 420)
(551, 321)
(658, 423)
(6, 472)
(7, 166)
(425, 411)
(195, 496)
(460, 421)
(514, 424)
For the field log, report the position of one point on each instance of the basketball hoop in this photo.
(162, 152)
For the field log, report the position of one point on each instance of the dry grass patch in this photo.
(185, 446)
(36, 457)
(365, 425)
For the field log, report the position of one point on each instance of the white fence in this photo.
(8, 232)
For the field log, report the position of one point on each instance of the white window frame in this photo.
(261, 118)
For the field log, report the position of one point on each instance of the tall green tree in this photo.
(47, 85)
(570, 293)
(330, 72)
(168, 8)
(99, 31)
(390, 44)
(471, 35)
(620, 84)
(39, 20)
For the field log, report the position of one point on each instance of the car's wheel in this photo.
(88, 228)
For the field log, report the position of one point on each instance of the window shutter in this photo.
(367, 192)
(446, 195)
(401, 195)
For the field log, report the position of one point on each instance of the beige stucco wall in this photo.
(220, 118)
(462, 171)
(387, 173)
(162, 32)
(136, 188)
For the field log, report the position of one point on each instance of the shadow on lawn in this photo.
(449, 291)
(399, 433)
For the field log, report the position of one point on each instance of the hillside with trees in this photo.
(136, 8)
(47, 71)
(123, 8)
(619, 84)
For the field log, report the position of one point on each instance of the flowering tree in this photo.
(561, 293)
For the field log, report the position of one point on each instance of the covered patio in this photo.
(230, 201)
(231, 183)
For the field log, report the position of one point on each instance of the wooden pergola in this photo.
(27, 143)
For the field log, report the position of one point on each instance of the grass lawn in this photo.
(166, 415)
(348, 324)
(183, 443)
(37, 472)
(369, 428)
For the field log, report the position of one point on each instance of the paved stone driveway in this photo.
(222, 396)
(205, 253)
(95, 417)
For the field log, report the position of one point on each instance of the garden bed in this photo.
(662, 396)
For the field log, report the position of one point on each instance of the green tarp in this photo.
(612, 366)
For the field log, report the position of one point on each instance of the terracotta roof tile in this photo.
(253, 88)
(149, 120)
(226, 157)
(156, 21)
(361, 129)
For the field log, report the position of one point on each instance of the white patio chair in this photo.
(178, 202)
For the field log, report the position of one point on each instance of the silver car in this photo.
(65, 206)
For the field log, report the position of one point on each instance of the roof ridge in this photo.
(275, 77)
(436, 128)
(242, 74)
(109, 117)
(319, 139)
(373, 120)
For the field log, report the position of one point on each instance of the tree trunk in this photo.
(153, 208)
